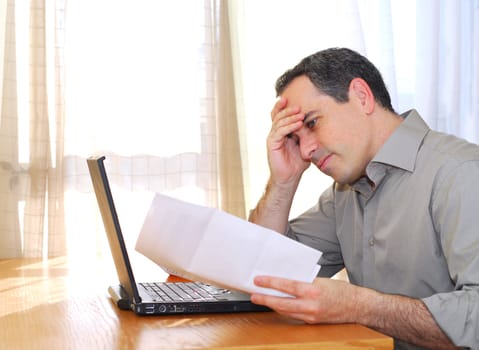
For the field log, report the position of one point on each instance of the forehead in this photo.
(302, 93)
(300, 86)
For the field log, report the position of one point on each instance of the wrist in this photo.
(282, 189)
(273, 208)
(365, 303)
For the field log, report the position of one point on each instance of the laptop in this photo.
(156, 298)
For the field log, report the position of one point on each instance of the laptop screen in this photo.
(112, 226)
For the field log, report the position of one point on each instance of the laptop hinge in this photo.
(120, 297)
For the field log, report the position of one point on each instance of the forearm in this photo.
(272, 210)
(403, 318)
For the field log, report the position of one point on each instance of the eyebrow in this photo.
(306, 116)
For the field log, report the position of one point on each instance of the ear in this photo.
(359, 89)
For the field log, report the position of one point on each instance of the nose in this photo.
(308, 147)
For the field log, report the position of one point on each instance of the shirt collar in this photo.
(401, 148)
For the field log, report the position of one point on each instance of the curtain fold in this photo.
(44, 198)
(447, 70)
(10, 171)
(230, 166)
(32, 204)
(39, 140)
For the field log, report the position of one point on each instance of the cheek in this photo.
(343, 137)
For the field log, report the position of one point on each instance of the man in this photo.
(401, 216)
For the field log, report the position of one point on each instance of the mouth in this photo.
(320, 159)
(322, 162)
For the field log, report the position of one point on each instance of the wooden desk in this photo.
(53, 304)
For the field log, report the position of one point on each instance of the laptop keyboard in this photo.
(185, 291)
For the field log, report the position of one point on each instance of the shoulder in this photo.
(446, 156)
(450, 148)
(451, 165)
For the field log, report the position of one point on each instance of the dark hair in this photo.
(332, 70)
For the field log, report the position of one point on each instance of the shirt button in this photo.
(371, 242)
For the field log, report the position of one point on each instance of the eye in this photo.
(311, 123)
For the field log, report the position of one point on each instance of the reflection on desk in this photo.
(53, 304)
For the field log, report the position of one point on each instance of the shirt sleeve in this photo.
(456, 218)
(317, 229)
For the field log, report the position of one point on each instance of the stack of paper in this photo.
(204, 244)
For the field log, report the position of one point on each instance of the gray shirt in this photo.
(411, 227)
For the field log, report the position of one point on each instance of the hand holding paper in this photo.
(205, 244)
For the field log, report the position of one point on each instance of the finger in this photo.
(281, 109)
(292, 307)
(280, 304)
(280, 104)
(280, 131)
(286, 123)
(287, 113)
(287, 286)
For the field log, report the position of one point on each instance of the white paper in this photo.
(205, 244)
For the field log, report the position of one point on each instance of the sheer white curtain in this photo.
(447, 71)
(31, 129)
(137, 81)
(140, 90)
(150, 84)
(427, 52)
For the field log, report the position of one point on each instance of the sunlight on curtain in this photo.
(132, 83)
(140, 91)
(22, 36)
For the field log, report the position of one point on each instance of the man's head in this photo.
(332, 70)
(345, 109)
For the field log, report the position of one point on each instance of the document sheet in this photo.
(205, 244)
